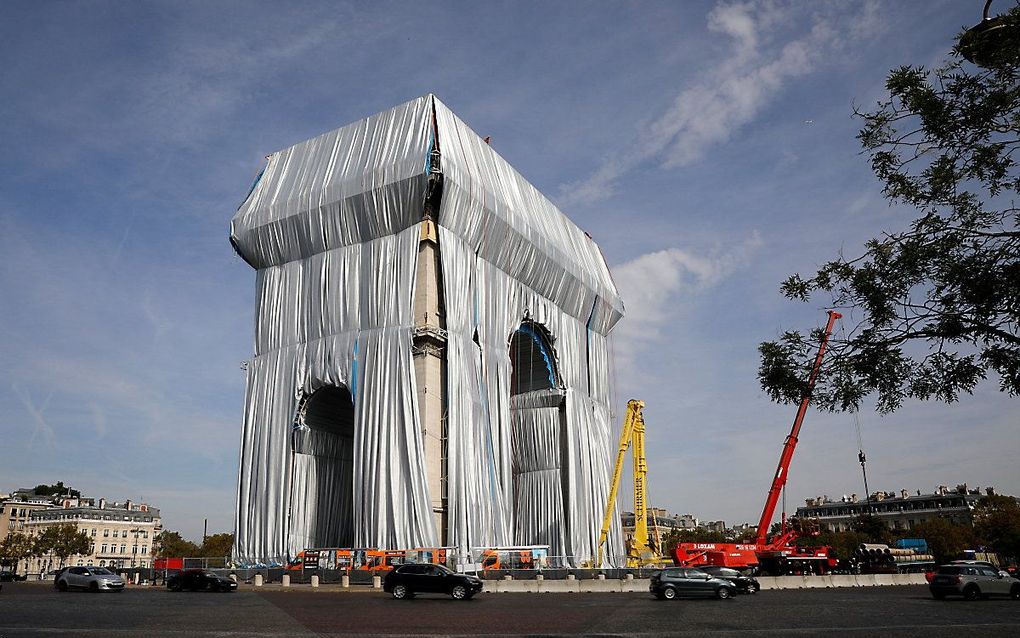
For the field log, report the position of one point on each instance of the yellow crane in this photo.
(639, 552)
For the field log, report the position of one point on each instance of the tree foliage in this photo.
(171, 544)
(57, 489)
(997, 524)
(16, 547)
(946, 540)
(63, 540)
(932, 309)
(217, 545)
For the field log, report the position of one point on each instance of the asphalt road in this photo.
(35, 610)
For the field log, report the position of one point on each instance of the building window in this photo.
(145, 549)
(102, 550)
(123, 549)
(116, 533)
(106, 533)
(93, 532)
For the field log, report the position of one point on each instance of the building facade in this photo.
(16, 510)
(123, 535)
(899, 511)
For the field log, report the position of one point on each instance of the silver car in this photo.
(972, 581)
(90, 578)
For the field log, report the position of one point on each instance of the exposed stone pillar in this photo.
(429, 349)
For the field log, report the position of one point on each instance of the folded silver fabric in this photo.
(332, 227)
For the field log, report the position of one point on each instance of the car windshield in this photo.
(101, 571)
(443, 570)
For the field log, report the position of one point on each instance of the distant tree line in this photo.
(996, 528)
(65, 540)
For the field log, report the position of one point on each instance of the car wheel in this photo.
(400, 592)
(669, 593)
(724, 593)
(459, 592)
(753, 589)
(971, 592)
(62, 585)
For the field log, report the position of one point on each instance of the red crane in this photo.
(781, 549)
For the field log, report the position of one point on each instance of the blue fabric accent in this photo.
(258, 178)
(354, 375)
(428, 154)
(542, 348)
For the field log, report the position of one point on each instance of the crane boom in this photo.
(633, 432)
(779, 481)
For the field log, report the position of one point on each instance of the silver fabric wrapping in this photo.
(332, 229)
(525, 261)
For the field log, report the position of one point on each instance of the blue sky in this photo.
(707, 146)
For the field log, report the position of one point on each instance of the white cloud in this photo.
(652, 286)
(725, 97)
(42, 428)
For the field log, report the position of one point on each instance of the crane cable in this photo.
(861, 456)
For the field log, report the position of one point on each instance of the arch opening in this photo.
(322, 501)
(532, 360)
(538, 440)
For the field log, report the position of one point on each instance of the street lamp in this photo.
(991, 41)
(134, 546)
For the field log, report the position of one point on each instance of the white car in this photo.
(90, 578)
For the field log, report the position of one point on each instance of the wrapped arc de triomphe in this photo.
(431, 363)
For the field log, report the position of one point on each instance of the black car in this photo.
(675, 582)
(8, 577)
(199, 580)
(744, 584)
(407, 580)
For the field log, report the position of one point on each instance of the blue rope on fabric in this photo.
(354, 375)
(543, 349)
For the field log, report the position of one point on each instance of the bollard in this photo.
(286, 580)
(233, 577)
(315, 580)
(508, 577)
(571, 577)
(376, 582)
(138, 577)
(629, 576)
(601, 576)
(539, 576)
(258, 580)
(345, 580)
